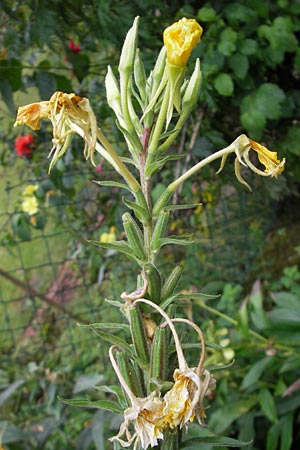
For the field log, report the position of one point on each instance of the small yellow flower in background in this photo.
(180, 39)
(30, 205)
(30, 190)
(109, 237)
(69, 114)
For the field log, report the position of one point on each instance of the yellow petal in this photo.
(273, 166)
(180, 39)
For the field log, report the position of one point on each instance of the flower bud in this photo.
(129, 48)
(113, 92)
(191, 93)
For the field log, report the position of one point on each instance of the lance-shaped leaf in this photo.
(176, 240)
(214, 441)
(98, 404)
(141, 213)
(118, 246)
(113, 184)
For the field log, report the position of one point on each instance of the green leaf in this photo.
(256, 371)
(98, 404)
(273, 437)
(286, 438)
(46, 84)
(269, 98)
(107, 326)
(213, 441)
(248, 47)
(115, 340)
(113, 184)
(224, 85)
(11, 70)
(206, 14)
(141, 213)
(179, 207)
(223, 417)
(227, 44)
(239, 64)
(267, 404)
(86, 382)
(7, 95)
(118, 246)
(176, 240)
(254, 122)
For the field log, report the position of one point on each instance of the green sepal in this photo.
(176, 240)
(141, 213)
(130, 374)
(134, 236)
(159, 355)
(214, 441)
(139, 336)
(171, 282)
(154, 282)
(99, 404)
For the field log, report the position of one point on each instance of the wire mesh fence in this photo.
(51, 279)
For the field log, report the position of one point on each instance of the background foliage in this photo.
(248, 245)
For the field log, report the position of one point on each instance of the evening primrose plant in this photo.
(161, 394)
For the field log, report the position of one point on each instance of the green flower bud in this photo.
(113, 92)
(129, 48)
(191, 93)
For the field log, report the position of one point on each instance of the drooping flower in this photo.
(23, 145)
(69, 114)
(242, 147)
(74, 47)
(180, 39)
(146, 415)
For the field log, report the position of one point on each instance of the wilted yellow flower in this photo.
(242, 147)
(69, 114)
(146, 414)
(180, 39)
(30, 205)
(273, 167)
(30, 189)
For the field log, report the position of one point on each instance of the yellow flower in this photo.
(69, 114)
(180, 39)
(30, 190)
(30, 205)
(109, 237)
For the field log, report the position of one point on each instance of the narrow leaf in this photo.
(256, 371)
(214, 441)
(186, 206)
(267, 404)
(101, 404)
(118, 246)
(112, 184)
(140, 212)
(115, 340)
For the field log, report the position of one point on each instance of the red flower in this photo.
(23, 145)
(73, 47)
